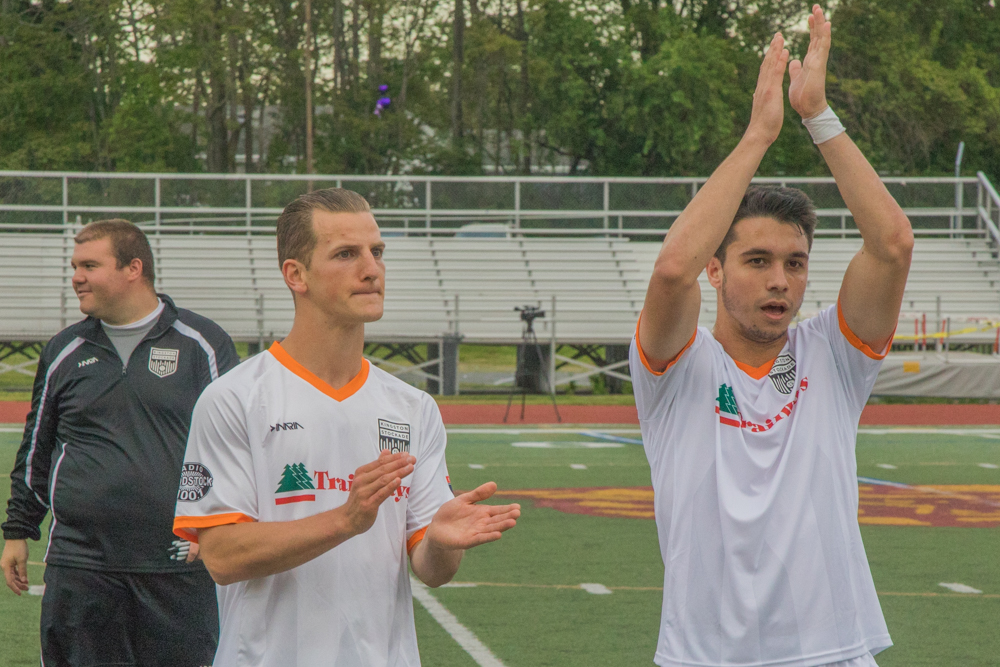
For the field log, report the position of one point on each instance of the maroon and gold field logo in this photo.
(971, 506)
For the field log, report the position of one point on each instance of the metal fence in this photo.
(462, 206)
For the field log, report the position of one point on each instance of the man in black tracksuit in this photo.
(102, 451)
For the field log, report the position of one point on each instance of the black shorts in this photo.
(94, 618)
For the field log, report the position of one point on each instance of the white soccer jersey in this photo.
(756, 500)
(270, 441)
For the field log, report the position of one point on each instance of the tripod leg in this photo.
(510, 397)
(541, 363)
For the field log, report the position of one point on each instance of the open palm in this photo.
(807, 91)
(462, 524)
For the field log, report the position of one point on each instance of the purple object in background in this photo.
(383, 101)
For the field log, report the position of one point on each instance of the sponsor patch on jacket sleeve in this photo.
(196, 482)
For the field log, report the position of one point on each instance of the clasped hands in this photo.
(807, 90)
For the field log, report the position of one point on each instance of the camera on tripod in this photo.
(530, 376)
(529, 313)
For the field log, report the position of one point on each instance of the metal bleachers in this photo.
(591, 288)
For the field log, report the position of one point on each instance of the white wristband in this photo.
(825, 126)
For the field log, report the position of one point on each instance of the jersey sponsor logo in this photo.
(297, 485)
(325, 482)
(196, 482)
(393, 437)
(782, 374)
(87, 362)
(729, 413)
(286, 426)
(163, 362)
(294, 480)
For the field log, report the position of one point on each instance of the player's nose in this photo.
(777, 280)
(371, 268)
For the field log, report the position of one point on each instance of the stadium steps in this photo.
(599, 285)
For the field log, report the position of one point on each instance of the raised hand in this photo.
(461, 524)
(807, 92)
(768, 99)
(373, 484)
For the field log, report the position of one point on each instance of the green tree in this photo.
(295, 477)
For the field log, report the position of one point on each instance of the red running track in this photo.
(15, 412)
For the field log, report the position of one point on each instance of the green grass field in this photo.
(528, 609)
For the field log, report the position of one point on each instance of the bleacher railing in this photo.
(442, 205)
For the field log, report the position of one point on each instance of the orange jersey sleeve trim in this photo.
(857, 342)
(758, 372)
(186, 527)
(415, 539)
(338, 395)
(645, 361)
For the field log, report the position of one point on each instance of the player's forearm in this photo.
(883, 225)
(242, 551)
(435, 566)
(699, 229)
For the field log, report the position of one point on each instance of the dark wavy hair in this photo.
(786, 205)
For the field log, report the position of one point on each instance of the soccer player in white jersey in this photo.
(750, 427)
(310, 474)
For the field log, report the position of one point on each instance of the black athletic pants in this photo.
(92, 618)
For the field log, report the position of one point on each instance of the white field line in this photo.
(564, 444)
(596, 589)
(993, 433)
(659, 589)
(461, 634)
(5, 429)
(961, 588)
(540, 429)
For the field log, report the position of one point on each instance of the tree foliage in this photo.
(608, 87)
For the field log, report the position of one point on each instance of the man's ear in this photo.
(293, 272)
(134, 270)
(714, 271)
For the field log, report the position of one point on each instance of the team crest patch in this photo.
(393, 437)
(783, 374)
(163, 362)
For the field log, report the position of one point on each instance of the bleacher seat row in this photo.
(467, 286)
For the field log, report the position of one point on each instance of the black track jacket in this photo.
(104, 444)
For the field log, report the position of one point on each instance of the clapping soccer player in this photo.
(750, 427)
(311, 475)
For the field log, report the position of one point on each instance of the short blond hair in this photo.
(296, 236)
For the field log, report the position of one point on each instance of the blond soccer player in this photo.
(313, 481)
(750, 427)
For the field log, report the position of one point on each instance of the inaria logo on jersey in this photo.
(286, 426)
(196, 482)
(87, 362)
(782, 374)
(163, 362)
(393, 437)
